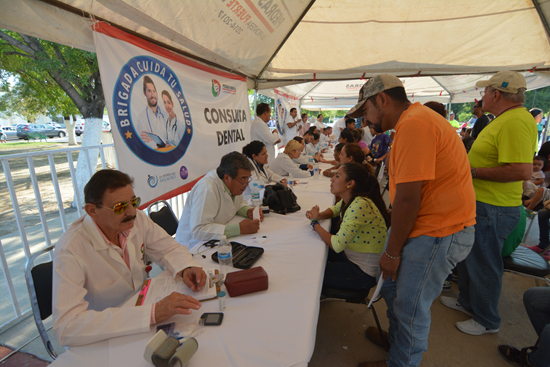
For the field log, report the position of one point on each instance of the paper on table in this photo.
(377, 290)
(161, 287)
(256, 213)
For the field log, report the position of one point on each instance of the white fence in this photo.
(17, 247)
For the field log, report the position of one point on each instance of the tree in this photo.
(57, 74)
(261, 99)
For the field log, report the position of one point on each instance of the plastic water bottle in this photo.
(310, 159)
(261, 186)
(255, 194)
(225, 257)
(290, 182)
(316, 171)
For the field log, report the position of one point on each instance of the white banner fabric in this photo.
(172, 118)
(283, 104)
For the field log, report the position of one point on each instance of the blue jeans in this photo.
(537, 305)
(480, 275)
(425, 264)
(544, 228)
(341, 273)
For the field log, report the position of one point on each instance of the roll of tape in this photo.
(153, 345)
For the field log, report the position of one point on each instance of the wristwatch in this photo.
(313, 225)
(473, 171)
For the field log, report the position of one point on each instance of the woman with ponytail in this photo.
(357, 246)
(257, 155)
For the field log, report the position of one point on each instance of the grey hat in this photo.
(372, 87)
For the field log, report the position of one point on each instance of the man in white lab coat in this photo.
(99, 264)
(292, 125)
(260, 131)
(215, 200)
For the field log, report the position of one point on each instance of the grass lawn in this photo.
(23, 146)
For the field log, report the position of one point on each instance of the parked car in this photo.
(49, 131)
(10, 131)
(79, 128)
(56, 125)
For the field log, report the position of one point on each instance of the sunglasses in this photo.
(119, 208)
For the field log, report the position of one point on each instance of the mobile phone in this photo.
(212, 318)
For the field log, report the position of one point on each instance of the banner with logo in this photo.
(172, 118)
(283, 104)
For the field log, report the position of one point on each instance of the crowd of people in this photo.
(452, 205)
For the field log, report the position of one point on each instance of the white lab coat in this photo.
(91, 280)
(339, 124)
(259, 131)
(310, 149)
(367, 136)
(320, 126)
(268, 175)
(283, 165)
(207, 210)
(291, 132)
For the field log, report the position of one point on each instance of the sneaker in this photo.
(453, 303)
(447, 286)
(535, 248)
(474, 328)
(514, 356)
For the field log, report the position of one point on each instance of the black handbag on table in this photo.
(280, 199)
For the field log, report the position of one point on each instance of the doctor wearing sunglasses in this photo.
(99, 264)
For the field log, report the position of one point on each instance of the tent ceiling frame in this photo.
(541, 16)
(85, 14)
(286, 38)
(311, 90)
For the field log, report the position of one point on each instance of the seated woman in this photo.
(357, 246)
(257, 154)
(283, 165)
(357, 139)
(336, 162)
(353, 153)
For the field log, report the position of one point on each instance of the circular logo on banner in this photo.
(151, 112)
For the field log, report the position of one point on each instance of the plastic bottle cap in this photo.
(221, 294)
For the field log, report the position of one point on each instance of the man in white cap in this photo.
(433, 213)
(501, 158)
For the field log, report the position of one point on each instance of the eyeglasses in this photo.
(244, 183)
(119, 208)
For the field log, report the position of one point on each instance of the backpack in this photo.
(280, 199)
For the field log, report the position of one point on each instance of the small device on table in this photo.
(212, 318)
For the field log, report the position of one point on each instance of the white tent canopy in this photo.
(444, 89)
(282, 42)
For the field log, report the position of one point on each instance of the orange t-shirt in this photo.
(427, 148)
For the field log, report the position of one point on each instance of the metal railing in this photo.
(10, 261)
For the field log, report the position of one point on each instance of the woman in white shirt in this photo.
(257, 154)
(283, 165)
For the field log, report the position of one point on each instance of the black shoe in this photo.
(515, 356)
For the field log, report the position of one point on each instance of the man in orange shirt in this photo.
(433, 213)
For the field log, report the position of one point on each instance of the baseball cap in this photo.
(372, 87)
(505, 81)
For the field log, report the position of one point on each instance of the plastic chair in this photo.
(353, 296)
(528, 263)
(164, 217)
(39, 284)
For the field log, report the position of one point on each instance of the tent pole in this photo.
(541, 16)
(255, 98)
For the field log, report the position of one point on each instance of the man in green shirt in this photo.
(500, 159)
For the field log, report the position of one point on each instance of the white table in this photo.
(271, 328)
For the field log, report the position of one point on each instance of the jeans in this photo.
(480, 274)
(341, 273)
(425, 263)
(537, 305)
(544, 228)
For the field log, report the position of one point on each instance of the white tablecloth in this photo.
(271, 328)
